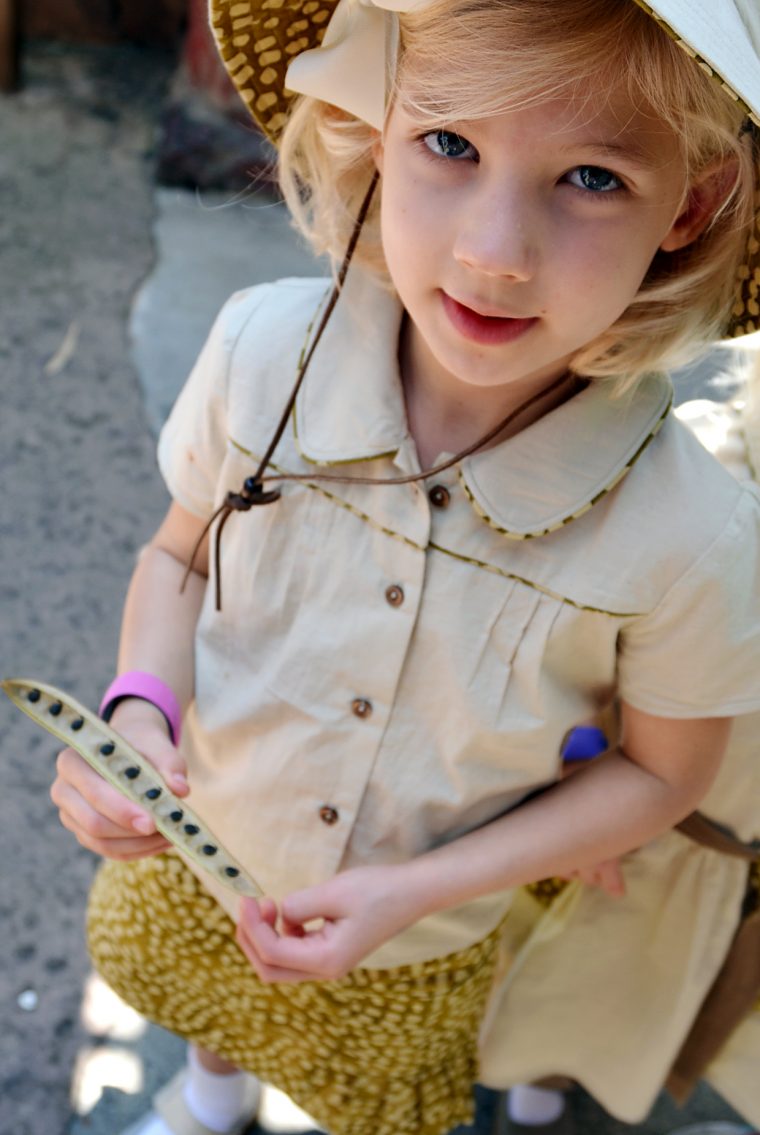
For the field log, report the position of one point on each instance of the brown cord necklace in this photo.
(252, 492)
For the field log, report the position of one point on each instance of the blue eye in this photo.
(595, 179)
(447, 144)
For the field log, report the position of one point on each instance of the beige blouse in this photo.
(396, 665)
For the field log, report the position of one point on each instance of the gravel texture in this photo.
(80, 494)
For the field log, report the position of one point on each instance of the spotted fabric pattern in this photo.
(547, 891)
(257, 41)
(380, 1052)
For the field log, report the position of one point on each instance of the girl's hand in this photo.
(608, 876)
(101, 818)
(359, 910)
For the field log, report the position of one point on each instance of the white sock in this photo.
(215, 1098)
(155, 1126)
(534, 1106)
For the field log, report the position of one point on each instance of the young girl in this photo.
(470, 524)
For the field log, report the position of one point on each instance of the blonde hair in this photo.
(473, 59)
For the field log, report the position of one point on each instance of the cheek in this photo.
(405, 227)
(608, 270)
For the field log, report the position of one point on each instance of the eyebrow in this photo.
(629, 151)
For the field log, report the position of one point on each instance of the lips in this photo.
(487, 330)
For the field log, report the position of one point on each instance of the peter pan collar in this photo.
(351, 409)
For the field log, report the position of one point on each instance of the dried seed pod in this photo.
(134, 776)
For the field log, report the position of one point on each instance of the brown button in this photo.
(361, 707)
(439, 496)
(328, 815)
(395, 595)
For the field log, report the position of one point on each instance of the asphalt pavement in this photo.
(108, 289)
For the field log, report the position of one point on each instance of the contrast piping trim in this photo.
(340, 461)
(708, 67)
(482, 564)
(536, 586)
(585, 507)
(337, 500)
(299, 447)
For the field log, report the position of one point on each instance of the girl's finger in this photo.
(169, 763)
(253, 912)
(74, 774)
(267, 972)
(144, 727)
(291, 929)
(133, 847)
(310, 953)
(92, 822)
(611, 878)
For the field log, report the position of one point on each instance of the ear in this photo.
(704, 197)
(377, 151)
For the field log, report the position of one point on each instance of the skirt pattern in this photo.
(379, 1052)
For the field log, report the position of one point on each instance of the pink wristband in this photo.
(138, 684)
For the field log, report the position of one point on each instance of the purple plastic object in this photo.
(584, 743)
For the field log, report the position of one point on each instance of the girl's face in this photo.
(516, 240)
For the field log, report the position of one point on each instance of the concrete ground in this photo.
(108, 288)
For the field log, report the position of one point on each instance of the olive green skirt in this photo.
(380, 1052)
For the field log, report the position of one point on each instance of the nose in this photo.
(498, 235)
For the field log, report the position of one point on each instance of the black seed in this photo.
(77, 724)
(176, 815)
(55, 708)
(107, 748)
(34, 695)
(232, 872)
(153, 793)
(209, 849)
(132, 772)
(192, 829)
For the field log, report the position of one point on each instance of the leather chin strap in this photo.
(252, 491)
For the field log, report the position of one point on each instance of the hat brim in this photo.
(258, 39)
(723, 38)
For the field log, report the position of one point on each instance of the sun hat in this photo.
(343, 52)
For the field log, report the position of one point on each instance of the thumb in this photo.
(154, 744)
(170, 764)
(611, 877)
(319, 902)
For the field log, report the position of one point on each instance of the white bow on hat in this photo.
(355, 65)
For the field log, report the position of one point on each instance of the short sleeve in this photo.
(698, 653)
(193, 443)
